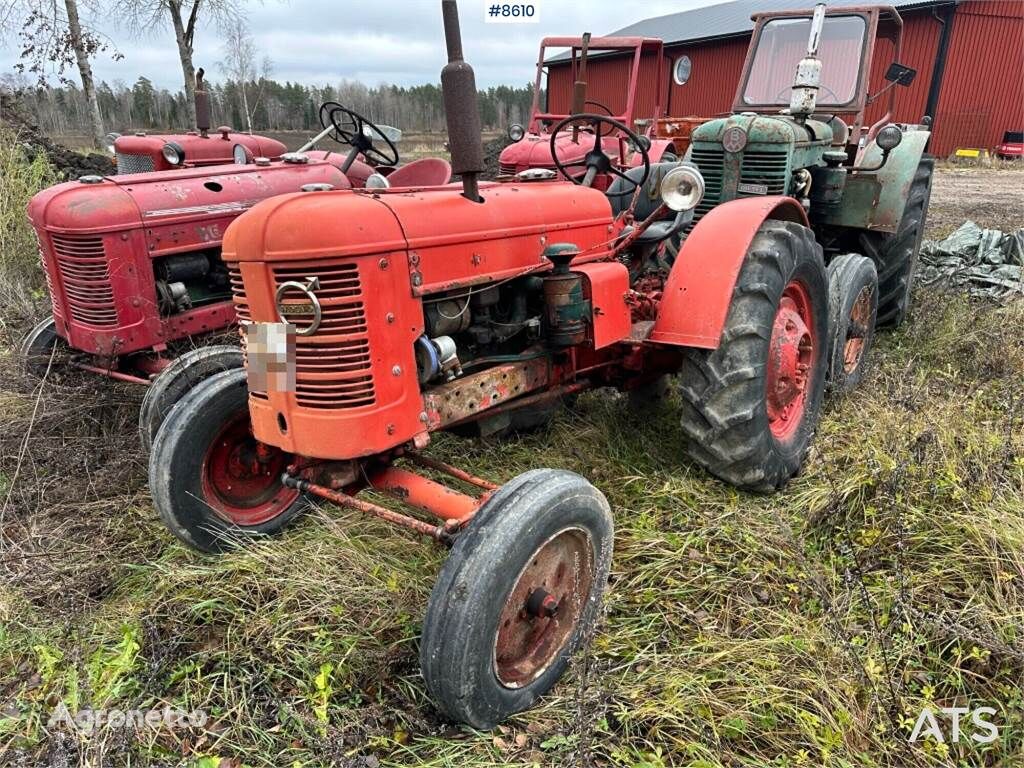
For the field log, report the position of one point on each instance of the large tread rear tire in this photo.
(726, 423)
(484, 574)
(895, 255)
(183, 463)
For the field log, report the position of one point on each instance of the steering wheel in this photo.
(788, 89)
(596, 161)
(355, 130)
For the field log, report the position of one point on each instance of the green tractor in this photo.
(864, 188)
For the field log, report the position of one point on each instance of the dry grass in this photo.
(807, 628)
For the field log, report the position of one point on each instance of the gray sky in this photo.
(395, 41)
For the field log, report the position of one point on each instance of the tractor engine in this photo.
(133, 262)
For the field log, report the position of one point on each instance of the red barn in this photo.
(969, 57)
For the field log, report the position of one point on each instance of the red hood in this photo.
(534, 151)
(215, 149)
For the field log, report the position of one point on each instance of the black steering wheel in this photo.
(596, 161)
(351, 128)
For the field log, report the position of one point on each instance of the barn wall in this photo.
(981, 94)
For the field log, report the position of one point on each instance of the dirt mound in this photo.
(70, 165)
(492, 151)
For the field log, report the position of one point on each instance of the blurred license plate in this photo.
(270, 357)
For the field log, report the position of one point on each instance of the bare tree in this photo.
(142, 17)
(53, 39)
(239, 64)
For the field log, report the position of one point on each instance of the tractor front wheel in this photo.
(517, 596)
(853, 303)
(750, 406)
(212, 482)
(174, 381)
(37, 348)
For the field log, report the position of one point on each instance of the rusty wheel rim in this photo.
(857, 330)
(544, 607)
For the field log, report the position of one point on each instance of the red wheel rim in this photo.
(857, 330)
(242, 476)
(791, 355)
(544, 607)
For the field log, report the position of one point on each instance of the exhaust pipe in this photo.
(202, 105)
(458, 87)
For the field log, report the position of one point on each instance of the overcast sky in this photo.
(394, 41)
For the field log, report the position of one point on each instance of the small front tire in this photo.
(37, 348)
(517, 596)
(853, 305)
(212, 482)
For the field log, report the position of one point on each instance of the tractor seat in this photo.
(426, 172)
(620, 195)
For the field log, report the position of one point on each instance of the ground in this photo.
(806, 628)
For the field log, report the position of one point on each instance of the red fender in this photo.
(698, 292)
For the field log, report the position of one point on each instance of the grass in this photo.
(806, 628)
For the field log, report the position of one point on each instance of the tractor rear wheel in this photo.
(895, 255)
(212, 482)
(852, 305)
(517, 596)
(750, 406)
(171, 384)
(37, 348)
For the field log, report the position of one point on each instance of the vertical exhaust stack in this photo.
(202, 105)
(458, 86)
(804, 97)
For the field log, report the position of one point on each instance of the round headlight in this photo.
(682, 188)
(377, 181)
(173, 153)
(240, 154)
(889, 138)
(516, 132)
(110, 139)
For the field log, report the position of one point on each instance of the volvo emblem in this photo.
(298, 306)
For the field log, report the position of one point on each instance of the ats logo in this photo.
(981, 730)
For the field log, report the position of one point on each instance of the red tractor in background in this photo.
(142, 153)
(133, 262)
(547, 143)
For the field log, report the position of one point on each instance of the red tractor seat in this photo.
(427, 172)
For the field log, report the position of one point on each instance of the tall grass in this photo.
(21, 276)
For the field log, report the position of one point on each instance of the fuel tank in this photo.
(374, 258)
(99, 239)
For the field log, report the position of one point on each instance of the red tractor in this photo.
(550, 143)
(133, 262)
(372, 319)
(142, 153)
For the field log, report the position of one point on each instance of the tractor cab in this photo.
(799, 125)
(552, 141)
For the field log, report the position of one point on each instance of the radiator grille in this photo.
(333, 367)
(58, 314)
(131, 163)
(767, 169)
(709, 162)
(85, 279)
(507, 169)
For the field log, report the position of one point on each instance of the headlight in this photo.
(110, 138)
(173, 153)
(682, 188)
(377, 181)
(239, 155)
(516, 132)
(889, 138)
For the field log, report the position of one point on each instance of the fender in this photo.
(698, 291)
(875, 199)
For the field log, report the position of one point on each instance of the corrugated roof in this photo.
(731, 19)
